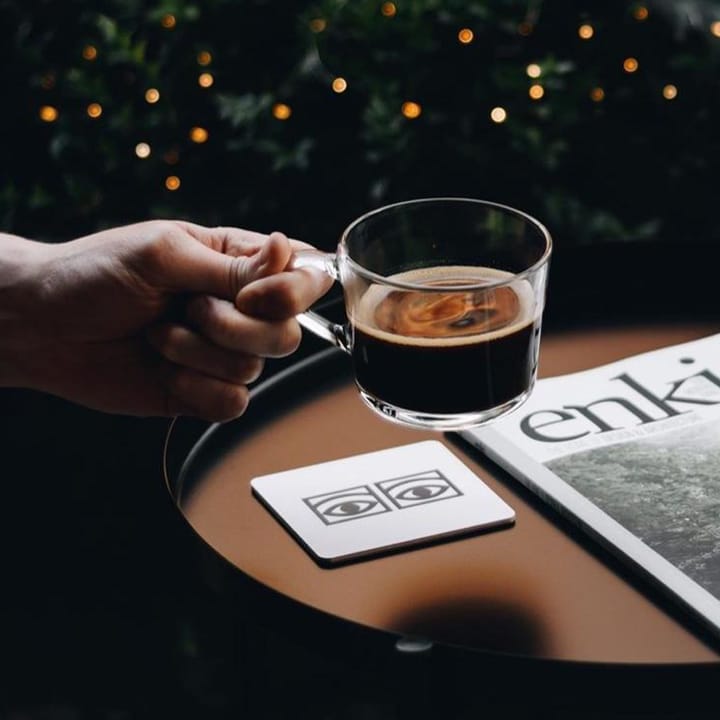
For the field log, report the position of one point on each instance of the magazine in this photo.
(630, 451)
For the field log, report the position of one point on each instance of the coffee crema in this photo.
(447, 351)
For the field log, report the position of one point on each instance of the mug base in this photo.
(442, 422)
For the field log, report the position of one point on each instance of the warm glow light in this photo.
(142, 150)
(48, 113)
(466, 36)
(198, 134)
(498, 115)
(388, 9)
(172, 182)
(152, 95)
(89, 52)
(317, 25)
(586, 31)
(168, 21)
(630, 65)
(281, 111)
(536, 91)
(715, 28)
(94, 110)
(525, 29)
(597, 94)
(204, 58)
(205, 80)
(640, 13)
(533, 70)
(339, 85)
(670, 92)
(411, 110)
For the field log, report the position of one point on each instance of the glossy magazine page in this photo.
(630, 451)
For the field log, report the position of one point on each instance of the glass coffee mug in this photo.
(444, 300)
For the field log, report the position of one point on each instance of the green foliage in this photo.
(632, 166)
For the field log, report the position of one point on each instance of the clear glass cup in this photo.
(444, 300)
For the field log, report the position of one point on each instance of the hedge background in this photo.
(611, 151)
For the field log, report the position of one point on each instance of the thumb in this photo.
(223, 275)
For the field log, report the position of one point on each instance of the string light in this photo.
(630, 65)
(466, 36)
(525, 29)
(281, 111)
(142, 150)
(411, 110)
(152, 95)
(205, 80)
(670, 92)
(597, 94)
(172, 182)
(317, 25)
(198, 134)
(586, 31)
(339, 85)
(48, 113)
(388, 9)
(204, 58)
(90, 52)
(498, 115)
(715, 28)
(533, 70)
(641, 13)
(168, 21)
(536, 91)
(94, 110)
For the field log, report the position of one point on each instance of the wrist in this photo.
(21, 274)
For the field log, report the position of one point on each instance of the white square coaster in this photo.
(381, 501)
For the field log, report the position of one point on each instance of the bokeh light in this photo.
(586, 31)
(172, 182)
(411, 110)
(48, 113)
(168, 21)
(281, 111)
(152, 95)
(142, 150)
(388, 9)
(466, 36)
(205, 80)
(533, 70)
(90, 52)
(630, 65)
(670, 92)
(204, 58)
(498, 114)
(536, 91)
(597, 94)
(94, 110)
(339, 85)
(199, 134)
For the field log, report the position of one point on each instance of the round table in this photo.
(536, 600)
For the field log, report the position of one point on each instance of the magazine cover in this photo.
(631, 452)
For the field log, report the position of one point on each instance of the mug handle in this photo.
(334, 333)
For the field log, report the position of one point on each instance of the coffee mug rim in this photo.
(402, 285)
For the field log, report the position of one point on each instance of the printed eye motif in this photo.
(344, 505)
(417, 489)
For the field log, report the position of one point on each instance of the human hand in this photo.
(148, 319)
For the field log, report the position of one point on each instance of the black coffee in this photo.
(446, 351)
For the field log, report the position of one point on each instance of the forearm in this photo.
(21, 261)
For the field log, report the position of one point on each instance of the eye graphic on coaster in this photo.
(418, 489)
(343, 505)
